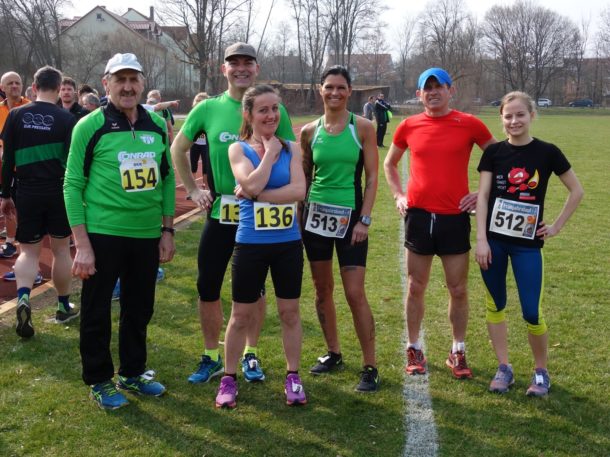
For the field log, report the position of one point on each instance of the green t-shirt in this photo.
(338, 162)
(119, 178)
(220, 119)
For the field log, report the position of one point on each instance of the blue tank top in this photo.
(280, 176)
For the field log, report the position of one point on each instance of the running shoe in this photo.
(106, 396)
(142, 385)
(251, 367)
(503, 379)
(8, 250)
(541, 383)
(206, 370)
(328, 362)
(62, 316)
(10, 276)
(227, 393)
(416, 362)
(369, 380)
(293, 387)
(457, 362)
(24, 328)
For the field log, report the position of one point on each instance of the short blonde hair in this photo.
(200, 97)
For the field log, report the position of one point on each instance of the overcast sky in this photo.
(393, 12)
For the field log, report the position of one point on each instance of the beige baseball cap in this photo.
(240, 49)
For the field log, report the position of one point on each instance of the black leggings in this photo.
(199, 151)
(135, 261)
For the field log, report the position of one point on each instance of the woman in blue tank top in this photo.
(270, 180)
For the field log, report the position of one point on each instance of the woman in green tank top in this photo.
(337, 148)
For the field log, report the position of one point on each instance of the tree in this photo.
(32, 28)
(207, 22)
(530, 43)
(313, 31)
(405, 45)
(450, 37)
(349, 19)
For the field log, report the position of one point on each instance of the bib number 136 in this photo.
(268, 216)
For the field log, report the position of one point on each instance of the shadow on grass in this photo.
(514, 424)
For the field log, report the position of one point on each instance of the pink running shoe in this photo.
(227, 393)
(295, 394)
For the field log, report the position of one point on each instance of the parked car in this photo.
(581, 103)
(413, 101)
(495, 103)
(544, 102)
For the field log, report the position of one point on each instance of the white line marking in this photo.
(422, 437)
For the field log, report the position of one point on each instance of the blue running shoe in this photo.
(106, 396)
(541, 383)
(251, 367)
(10, 276)
(8, 250)
(24, 327)
(206, 370)
(142, 385)
(502, 380)
(160, 274)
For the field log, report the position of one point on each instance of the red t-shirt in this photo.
(440, 150)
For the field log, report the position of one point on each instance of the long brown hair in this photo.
(247, 105)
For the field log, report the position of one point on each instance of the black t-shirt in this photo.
(520, 176)
(36, 140)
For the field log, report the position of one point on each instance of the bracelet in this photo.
(168, 230)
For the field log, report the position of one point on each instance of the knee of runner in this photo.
(538, 329)
(459, 291)
(416, 288)
(289, 316)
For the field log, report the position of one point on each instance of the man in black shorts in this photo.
(435, 207)
(36, 142)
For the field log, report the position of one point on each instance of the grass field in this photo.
(44, 409)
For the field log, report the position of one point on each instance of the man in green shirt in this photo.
(220, 119)
(119, 191)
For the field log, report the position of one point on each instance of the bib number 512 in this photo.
(509, 221)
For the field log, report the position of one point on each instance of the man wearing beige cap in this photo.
(119, 191)
(220, 119)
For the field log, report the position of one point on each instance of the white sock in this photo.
(458, 346)
(416, 345)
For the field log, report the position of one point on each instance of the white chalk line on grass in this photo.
(422, 438)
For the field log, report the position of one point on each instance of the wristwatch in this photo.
(365, 220)
(168, 230)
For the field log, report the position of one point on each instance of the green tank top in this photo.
(220, 119)
(338, 162)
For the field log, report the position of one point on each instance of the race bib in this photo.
(229, 210)
(269, 216)
(330, 221)
(138, 175)
(516, 219)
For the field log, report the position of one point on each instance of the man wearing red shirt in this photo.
(435, 207)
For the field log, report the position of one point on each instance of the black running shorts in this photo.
(441, 234)
(39, 215)
(250, 265)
